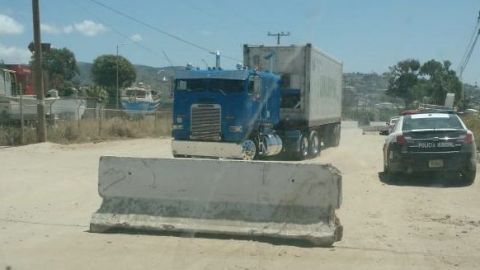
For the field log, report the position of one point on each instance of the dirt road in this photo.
(48, 192)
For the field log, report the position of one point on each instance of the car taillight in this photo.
(400, 139)
(468, 138)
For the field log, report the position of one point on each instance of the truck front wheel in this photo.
(249, 150)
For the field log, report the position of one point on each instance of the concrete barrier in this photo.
(223, 197)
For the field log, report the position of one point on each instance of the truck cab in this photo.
(219, 112)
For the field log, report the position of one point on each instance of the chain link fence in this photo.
(80, 120)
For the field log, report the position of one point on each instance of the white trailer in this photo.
(311, 86)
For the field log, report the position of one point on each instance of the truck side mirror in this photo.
(257, 86)
(254, 86)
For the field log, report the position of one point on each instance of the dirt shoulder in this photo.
(49, 191)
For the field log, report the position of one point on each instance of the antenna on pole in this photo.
(278, 35)
(217, 58)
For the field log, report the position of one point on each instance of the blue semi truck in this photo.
(286, 103)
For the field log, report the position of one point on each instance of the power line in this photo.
(242, 19)
(467, 55)
(470, 47)
(168, 59)
(141, 45)
(118, 12)
(471, 42)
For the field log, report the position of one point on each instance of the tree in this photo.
(104, 73)
(429, 82)
(440, 80)
(61, 67)
(403, 79)
(98, 93)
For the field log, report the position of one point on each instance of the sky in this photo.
(367, 36)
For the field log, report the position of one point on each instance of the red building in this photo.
(23, 73)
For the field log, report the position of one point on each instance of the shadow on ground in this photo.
(434, 180)
(269, 240)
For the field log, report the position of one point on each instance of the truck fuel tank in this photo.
(272, 145)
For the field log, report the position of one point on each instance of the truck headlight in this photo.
(235, 128)
(177, 127)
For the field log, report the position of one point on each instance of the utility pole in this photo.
(38, 74)
(278, 35)
(116, 62)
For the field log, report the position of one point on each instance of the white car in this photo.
(391, 124)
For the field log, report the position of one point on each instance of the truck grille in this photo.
(205, 122)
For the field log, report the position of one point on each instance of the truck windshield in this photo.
(224, 85)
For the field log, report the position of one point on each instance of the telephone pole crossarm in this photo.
(278, 35)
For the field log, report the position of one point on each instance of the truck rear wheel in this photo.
(314, 144)
(303, 150)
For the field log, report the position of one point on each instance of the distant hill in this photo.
(362, 82)
(366, 82)
(370, 85)
(146, 74)
(160, 78)
(84, 77)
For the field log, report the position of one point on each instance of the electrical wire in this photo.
(168, 58)
(154, 28)
(139, 44)
(470, 47)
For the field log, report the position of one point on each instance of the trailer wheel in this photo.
(336, 134)
(303, 150)
(314, 144)
(332, 135)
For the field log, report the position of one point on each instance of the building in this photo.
(23, 74)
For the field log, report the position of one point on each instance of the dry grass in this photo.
(10, 135)
(91, 130)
